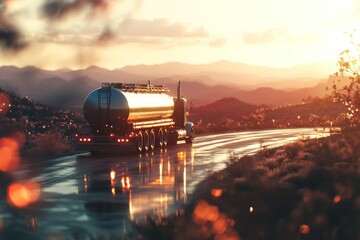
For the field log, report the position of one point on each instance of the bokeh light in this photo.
(230, 234)
(204, 212)
(21, 195)
(220, 225)
(304, 229)
(213, 222)
(1, 224)
(125, 183)
(4, 103)
(251, 209)
(216, 192)
(32, 223)
(112, 175)
(181, 156)
(337, 199)
(9, 152)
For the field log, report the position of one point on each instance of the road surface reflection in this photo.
(152, 186)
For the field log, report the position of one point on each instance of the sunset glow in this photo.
(113, 34)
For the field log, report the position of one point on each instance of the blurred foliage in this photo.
(304, 190)
(51, 143)
(346, 88)
(46, 131)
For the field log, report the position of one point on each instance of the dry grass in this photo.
(50, 144)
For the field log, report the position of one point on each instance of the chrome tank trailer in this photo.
(141, 117)
(114, 105)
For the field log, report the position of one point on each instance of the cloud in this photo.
(106, 35)
(78, 35)
(54, 56)
(268, 36)
(218, 42)
(10, 36)
(154, 32)
(86, 56)
(277, 35)
(158, 28)
(355, 13)
(59, 9)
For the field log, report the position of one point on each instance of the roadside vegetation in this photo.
(346, 87)
(39, 131)
(308, 189)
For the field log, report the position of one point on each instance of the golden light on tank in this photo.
(125, 106)
(136, 117)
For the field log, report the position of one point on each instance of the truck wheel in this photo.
(191, 138)
(152, 140)
(146, 141)
(165, 138)
(140, 142)
(160, 141)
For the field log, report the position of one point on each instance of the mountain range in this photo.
(201, 83)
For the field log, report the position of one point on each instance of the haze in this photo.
(112, 34)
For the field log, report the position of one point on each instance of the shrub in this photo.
(293, 149)
(51, 143)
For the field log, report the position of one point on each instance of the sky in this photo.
(55, 34)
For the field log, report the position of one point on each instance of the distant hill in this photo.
(231, 114)
(38, 127)
(230, 108)
(275, 97)
(323, 108)
(201, 84)
(226, 72)
(50, 90)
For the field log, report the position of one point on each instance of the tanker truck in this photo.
(136, 117)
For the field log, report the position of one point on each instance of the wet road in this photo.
(101, 197)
